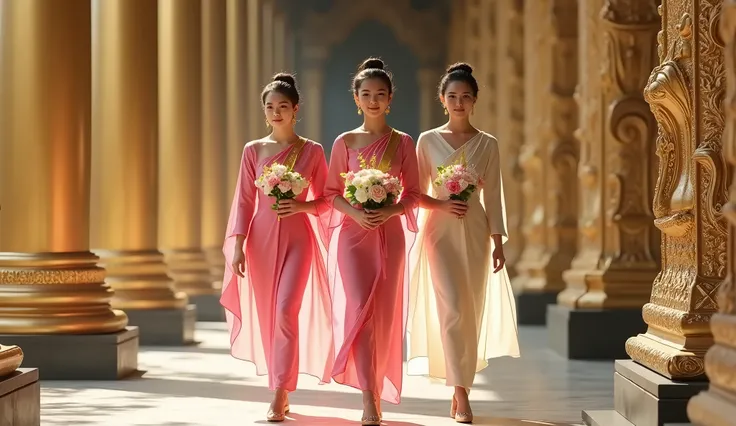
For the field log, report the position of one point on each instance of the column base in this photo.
(164, 327)
(20, 398)
(710, 408)
(208, 307)
(643, 397)
(576, 333)
(531, 306)
(80, 356)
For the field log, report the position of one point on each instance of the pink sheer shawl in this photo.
(316, 353)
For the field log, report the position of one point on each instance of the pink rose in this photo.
(377, 193)
(273, 181)
(285, 186)
(349, 176)
(391, 187)
(453, 187)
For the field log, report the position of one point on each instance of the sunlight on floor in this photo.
(203, 385)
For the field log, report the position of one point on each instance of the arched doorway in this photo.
(370, 38)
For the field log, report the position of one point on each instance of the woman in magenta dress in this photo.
(368, 250)
(276, 292)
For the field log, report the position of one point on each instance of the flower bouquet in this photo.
(457, 182)
(280, 182)
(371, 188)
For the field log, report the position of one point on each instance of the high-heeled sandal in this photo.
(459, 417)
(372, 420)
(275, 417)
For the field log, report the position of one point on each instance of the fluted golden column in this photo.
(685, 93)
(717, 406)
(256, 78)
(486, 68)
(427, 78)
(180, 141)
(214, 134)
(11, 358)
(124, 204)
(458, 45)
(238, 102)
(618, 243)
(312, 83)
(549, 156)
(618, 246)
(49, 280)
(509, 93)
(280, 41)
(267, 39)
(52, 291)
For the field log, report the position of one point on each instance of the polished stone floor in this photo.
(202, 386)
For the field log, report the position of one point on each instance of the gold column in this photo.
(427, 77)
(485, 113)
(549, 156)
(214, 134)
(717, 406)
(279, 42)
(256, 121)
(180, 139)
(238, 102)
(510, 125)
(11, 358)
(618, 244)
(267, 40)
(473, 29)
(458, 42)
(685, 92)
(124, 206)
(49, 280)
(312, 83)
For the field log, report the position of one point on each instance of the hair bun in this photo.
(286, 78)
(460, 67)
(371, 63)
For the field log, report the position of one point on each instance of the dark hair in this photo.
(458, 72)
(282, 83)
(372, 68)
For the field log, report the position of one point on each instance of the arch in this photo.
(422, 31)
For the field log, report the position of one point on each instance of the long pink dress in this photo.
(369, 274)
(279, 315)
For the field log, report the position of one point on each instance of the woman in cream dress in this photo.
(462, 308)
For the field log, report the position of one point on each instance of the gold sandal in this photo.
(275, 417)
(459, 417)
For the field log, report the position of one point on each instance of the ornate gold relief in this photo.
(549, 156)
(717, 406)
(510, 123)
(686, 93)
(618, 255)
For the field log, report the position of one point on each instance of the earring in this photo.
(445, 109)
(267, 125)
(388, 110)
(360, 111)
(293, 120)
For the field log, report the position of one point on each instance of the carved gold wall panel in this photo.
(717, 406)
(549, 156)
(510, 118)
(686, 92)
(618, 253)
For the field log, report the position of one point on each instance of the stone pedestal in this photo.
(531, 307)
(164, 327)
(592, 333)
(80, 356)
(208, 307)
(20, 398)
(645, 398)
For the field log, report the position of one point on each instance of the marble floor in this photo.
(202, 386)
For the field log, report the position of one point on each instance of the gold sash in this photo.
(293, 155)
(388, 154)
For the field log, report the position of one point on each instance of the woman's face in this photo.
(279, 110)
(458, 99)
(373, 97)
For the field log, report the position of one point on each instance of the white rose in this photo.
(361, 194)
(279, 169)
(463, 184)
(297, 187)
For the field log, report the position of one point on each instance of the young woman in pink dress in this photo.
(367, 259)
(276, 289)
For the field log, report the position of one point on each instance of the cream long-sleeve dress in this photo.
(461, 313)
